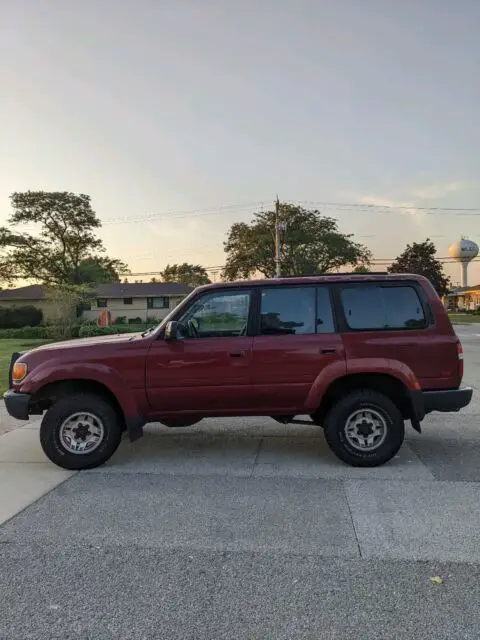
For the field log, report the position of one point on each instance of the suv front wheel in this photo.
(80, 431)
(364, 429)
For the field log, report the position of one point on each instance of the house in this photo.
(133, 301)
(463, 298)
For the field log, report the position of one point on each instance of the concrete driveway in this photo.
(246, 529)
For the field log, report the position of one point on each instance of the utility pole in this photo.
(277, 239)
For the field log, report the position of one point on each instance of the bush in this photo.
(134, 321)
(120, 320)
(89, 331)
(51, 332)
(34, 333)
(19, 317)
(55, 333)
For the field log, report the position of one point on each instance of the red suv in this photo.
(358, 354)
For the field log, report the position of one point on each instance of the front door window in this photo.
(216, 315)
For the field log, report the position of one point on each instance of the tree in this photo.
(192, 275)
(310, 243)
(65, 303)
(419, 258)
(65, 250)
(100, 270)
(361, 268)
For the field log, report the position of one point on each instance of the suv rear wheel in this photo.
(80, 431)
(364, 429)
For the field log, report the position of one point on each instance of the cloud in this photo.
(401, 206)
(410, 201)
(440, 190)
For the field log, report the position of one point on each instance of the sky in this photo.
(181, 118)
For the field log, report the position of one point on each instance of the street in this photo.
(246, 529)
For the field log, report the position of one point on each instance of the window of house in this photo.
(158, 303)
(101, 303)
(128, 301)
(375, 307)
(288, 311)
(217, 315)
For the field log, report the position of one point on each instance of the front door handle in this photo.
(237, 354)
(328, 351)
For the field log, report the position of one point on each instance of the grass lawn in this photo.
(7, 347)
(464, 318)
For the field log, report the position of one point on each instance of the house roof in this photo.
(459, 291)
(115, 290)
(31, 292)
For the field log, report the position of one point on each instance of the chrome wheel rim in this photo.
(81, 433)
(366, 429)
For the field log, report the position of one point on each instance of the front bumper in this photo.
(447, 400)
(17, 404)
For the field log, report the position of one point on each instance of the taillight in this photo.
(460, 358)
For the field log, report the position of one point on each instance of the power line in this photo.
(250, 206)
(339, 206)
(374, 262)
(367, 205)
(175, 215)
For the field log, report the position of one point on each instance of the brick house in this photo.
(131, 301)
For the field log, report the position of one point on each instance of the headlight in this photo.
(19, 372)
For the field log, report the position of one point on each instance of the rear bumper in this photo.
(17, 404)
(447, 400)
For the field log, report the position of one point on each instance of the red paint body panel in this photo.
(202, 375)
(116, 362)
(286, 367)
(249, 375)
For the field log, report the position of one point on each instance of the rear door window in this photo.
(296, 311)
(378, 307)
(287, 311)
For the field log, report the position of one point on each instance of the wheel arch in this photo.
(49, 393)
(388, 385)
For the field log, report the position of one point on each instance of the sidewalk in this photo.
(7, 423)
(25, 472)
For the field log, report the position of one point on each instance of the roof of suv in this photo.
(321, 278)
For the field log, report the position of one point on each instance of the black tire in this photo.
(340, 443)
(318, 419)
(56, 416)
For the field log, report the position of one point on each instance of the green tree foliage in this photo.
(192, 275)
(65, 303)
(65, 249)
(419, 258)
(361, 268)
(310, 243)
(99, 270)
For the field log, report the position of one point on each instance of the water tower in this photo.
(463, 251)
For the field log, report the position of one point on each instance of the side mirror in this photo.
(173, 331)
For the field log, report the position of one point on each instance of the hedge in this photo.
(20, 317)
(35, 333)
(77, 331)
(88, 330)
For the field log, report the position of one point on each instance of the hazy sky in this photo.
(162, 107)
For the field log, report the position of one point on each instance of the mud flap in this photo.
(416, 425)
(135, 429)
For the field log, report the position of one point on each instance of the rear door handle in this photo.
(328, 351)
(237, 354)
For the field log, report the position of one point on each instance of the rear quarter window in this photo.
(374, 307)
